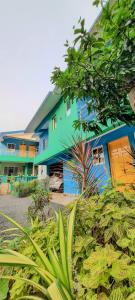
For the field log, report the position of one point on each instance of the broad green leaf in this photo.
(4, 288)
(41, 254)
(70, 228)
(48, 277)
(11, 260)
(29, 282)
(116, 294)
(57, 267)
(30, 298)
(55, 292)
(63, 246)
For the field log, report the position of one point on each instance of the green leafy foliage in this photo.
(54, 268)
(103, 252)
(4, 289)
(41, 199)
(101, 65)
(24, 189)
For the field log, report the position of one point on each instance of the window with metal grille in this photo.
(98, 155)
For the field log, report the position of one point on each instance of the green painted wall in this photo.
(16, 159)
(62, 135)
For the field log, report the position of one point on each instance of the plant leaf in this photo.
(62, 241)
(29, 282)
(69, 244)
(4, 288)
(41, 254)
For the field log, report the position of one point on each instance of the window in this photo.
(11, 147)
(98, 155)
(68, 107)
(45, 143)
(9, 171)
(54, 122)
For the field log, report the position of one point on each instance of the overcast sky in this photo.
(32, 37)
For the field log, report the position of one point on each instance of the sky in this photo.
(32, 37)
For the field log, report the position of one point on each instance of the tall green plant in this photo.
(54, 268)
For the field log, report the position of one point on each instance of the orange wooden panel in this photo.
(32, 151)
(23, 150)
(121, 162)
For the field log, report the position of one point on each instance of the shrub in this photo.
(104, 248)
(44, 183)
(41, 198)
(24, 189)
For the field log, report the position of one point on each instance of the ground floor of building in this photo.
(8, 170)
(111, 158)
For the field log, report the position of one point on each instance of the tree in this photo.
(101, 65)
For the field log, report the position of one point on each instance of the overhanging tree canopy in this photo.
(101, 65)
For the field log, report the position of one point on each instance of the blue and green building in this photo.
(53, 126)
(17, 155)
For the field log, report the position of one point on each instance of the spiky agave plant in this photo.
(81, 167)
(56, 270)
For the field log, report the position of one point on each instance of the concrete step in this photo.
(63, 199)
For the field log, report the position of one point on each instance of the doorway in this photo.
(121, 162)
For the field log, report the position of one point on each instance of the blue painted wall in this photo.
(104, 169)
(101, 171)
(43, 136)
(70, 186)
(17, 142)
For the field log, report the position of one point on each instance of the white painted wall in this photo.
(42, 172)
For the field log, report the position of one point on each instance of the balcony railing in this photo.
(18, 153)
(12, 179)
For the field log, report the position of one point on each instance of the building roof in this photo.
(20, 136)
(47, 105)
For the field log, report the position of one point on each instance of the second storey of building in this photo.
(17, 147)
(54, 126)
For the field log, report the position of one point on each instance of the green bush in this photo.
(41, 199)
(104, 248)
(24, 189)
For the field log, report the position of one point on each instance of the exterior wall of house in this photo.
(61, 136)
(103, 141)
(20, 168)
(102, 171)
(14, 161)
(17, 142)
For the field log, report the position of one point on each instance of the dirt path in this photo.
(15, 208)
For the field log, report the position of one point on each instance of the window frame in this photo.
(68, 109)
(44, 143)
(54, 122)
(11, 149)
(97, 148)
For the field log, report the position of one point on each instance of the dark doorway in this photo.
(56, 177)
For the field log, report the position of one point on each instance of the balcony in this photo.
(17, 156)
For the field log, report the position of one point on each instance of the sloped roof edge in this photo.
(51, 99)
